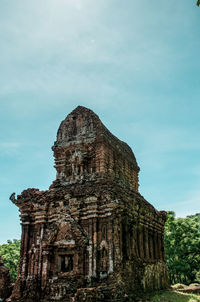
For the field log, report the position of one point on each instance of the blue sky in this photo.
(135, 63)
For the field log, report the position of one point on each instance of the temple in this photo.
(91, 236)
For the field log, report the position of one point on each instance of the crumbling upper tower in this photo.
(86, 150)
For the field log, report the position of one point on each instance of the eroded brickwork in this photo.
(5, 282)
(91, 236)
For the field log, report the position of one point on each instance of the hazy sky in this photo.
(135, 63)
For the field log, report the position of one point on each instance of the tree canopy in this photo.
(10, 253)
(182, 246)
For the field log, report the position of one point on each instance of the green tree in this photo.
(10, 253)
(182, 246)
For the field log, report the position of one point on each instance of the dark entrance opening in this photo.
(66, 262)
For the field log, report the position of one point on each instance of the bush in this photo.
(10, 253)
(182, 246)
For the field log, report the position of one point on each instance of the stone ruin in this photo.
(91, 236)
(5, 282)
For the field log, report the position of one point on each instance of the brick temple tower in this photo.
(91, 236)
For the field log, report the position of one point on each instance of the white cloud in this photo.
(9, 145)
(9, 148)
(49, 46)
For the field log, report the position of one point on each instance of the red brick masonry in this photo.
(91, 236)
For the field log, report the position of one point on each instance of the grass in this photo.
(174, 296)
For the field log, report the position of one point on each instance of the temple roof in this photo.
(83, 125)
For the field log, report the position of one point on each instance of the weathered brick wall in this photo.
(90, 236)
(5, 282)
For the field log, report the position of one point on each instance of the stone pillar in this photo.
(40, 253)
(89, 248)
(25, 232)
(29, 263)
(149, 241)
(151, 244)
(44, 268)
(21, 251)
(146, 243)
(33, 263)
(116, 244)
(158, 244)
(162, 247)
(155, 242)
(36, 263)
(159, 247)
(134, 243)
(110, 247)
(110, 258)
(141, 243)
(94, 271)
